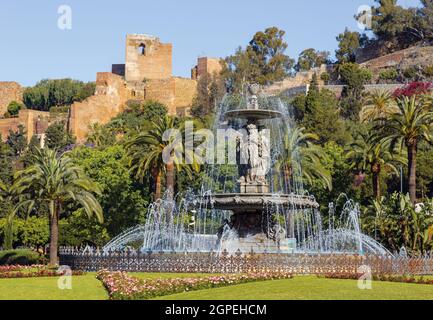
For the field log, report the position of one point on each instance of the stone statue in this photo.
(254, 101)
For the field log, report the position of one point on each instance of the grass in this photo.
(311, 288)
(300, 288)
(85, 287)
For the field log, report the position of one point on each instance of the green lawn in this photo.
(311, 288)
(83, 288)
(300, 288)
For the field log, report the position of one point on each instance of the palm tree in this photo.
(303, 152)
(412, 124)
(159, 151)
(367, 155)
(14, 202)
(381, 104)
(56, 181)
(99, 135)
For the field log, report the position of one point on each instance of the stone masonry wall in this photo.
(299, 80)
(185, 92)
(32, 120)
(163, 91)
(109, 100)
(9, 91)
(155, 62)
(415, 56)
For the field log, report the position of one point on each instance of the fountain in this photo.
(255, 205)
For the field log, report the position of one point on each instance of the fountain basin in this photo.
(257, 201)
(253, 114)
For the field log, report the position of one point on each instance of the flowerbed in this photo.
(121, 286)
(380, 277)
(12, 272)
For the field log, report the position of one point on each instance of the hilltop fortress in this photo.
(146, 75)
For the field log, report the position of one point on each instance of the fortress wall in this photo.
(32, 120)
(300, 79)
(9, 91)
(415, 56)
(109, 100)
(185, 92)
(163, 91)
(6, 125)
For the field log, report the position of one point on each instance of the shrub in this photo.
(410, 73)
(63, 109)
(428, 71)
(325, 77)
(414, 88)
(20, 257)
(388, 74)
(14, 108)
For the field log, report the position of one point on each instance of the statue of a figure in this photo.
(254, 101)
(253, 152)
(258, 155)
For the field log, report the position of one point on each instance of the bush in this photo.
(14, 108)
(410, 73)
(388, 74)
(63, 109)
(20, 257)
(428, 71)
(325, 77)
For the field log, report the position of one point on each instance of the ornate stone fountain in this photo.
(252, 224)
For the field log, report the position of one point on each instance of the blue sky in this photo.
(34, 48)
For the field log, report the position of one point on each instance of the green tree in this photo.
(123, 201)
(310, 58)
(57, 137)
(14, 108)
(366, 155)
(55, 93)
(14, 202)
(394, 24)
(17, 141)
(56, 181)
(408, 128)
(34, 232)
(150, 152)
(322, 116)
(101, 136)
(348, 43)
(380, 105)
(210, 90)
(303, 158)
(263, 61)
(355, 78)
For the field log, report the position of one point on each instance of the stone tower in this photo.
(147, 58)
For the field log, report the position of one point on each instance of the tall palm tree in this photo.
(158, 151)
(380, 105)
(412, 124)
(14, 202)
(375, 157)
(56, 181)
(302, 151)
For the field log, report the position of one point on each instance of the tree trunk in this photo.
(170, 179)
(54, 235)
(375, 169)
(411, 156)
(157, 177)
